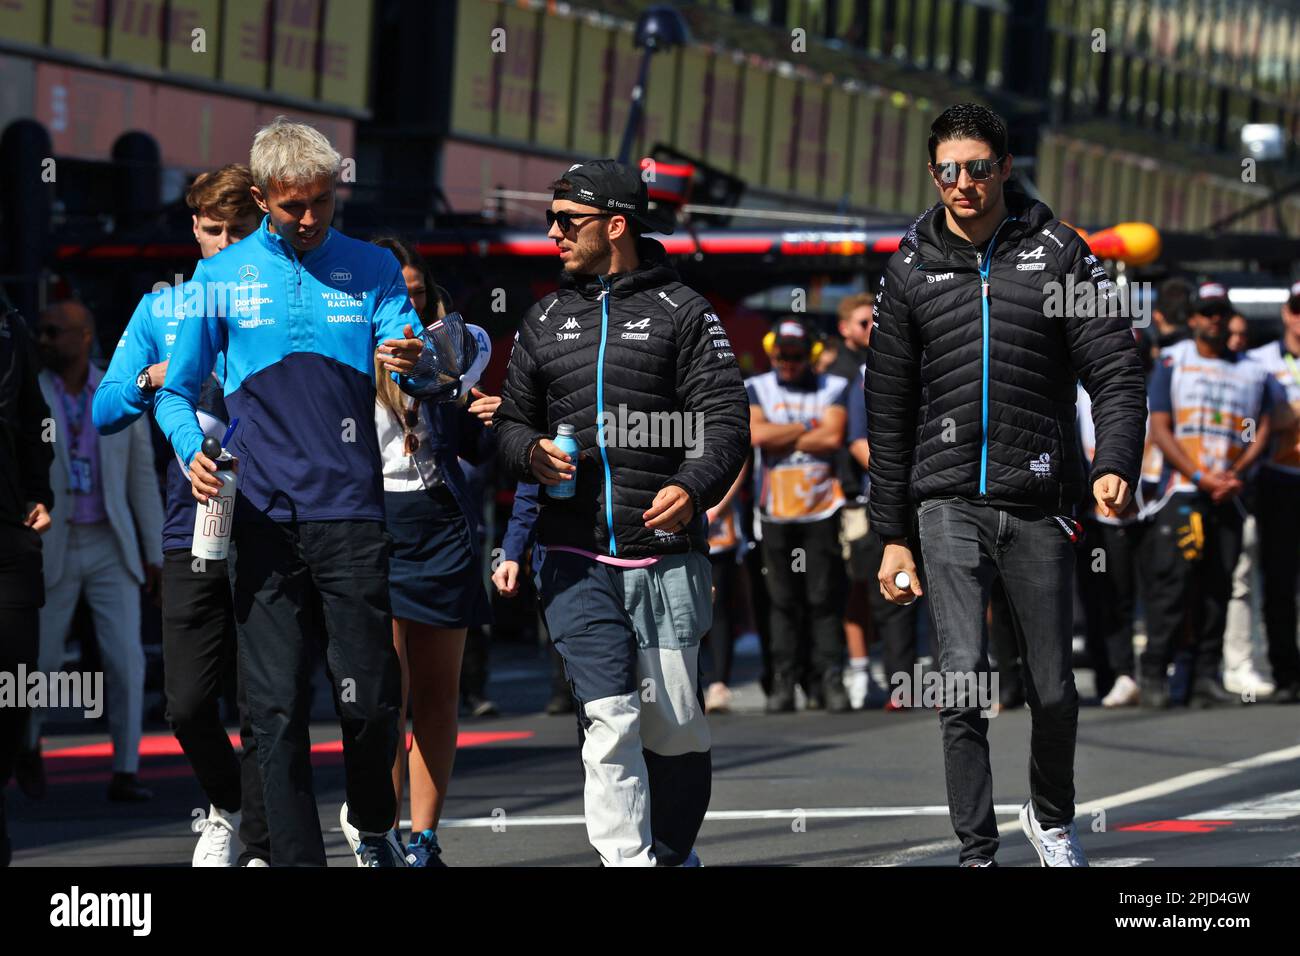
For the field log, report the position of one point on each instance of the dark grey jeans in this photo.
(964, 546)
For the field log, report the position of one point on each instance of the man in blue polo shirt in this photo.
(199, 646)
(298, 311)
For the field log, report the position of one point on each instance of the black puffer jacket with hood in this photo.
(648, 357)
(973, 365)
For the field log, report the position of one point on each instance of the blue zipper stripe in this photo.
(600, 408)
(984, 374)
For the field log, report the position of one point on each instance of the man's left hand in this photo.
(399, 355)
(672, 510)
(1112, 494)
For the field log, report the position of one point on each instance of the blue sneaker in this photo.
(379, 850)
(424, 850)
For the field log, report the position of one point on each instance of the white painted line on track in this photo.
(1274, 806)
(815, 813)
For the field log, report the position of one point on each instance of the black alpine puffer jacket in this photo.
(653, 357)
(973, 395)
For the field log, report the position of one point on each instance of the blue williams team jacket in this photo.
(148, 339)
(299, 337)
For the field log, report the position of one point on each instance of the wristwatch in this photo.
(142, 382)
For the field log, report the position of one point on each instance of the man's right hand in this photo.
(506, 578)
(157, 375)
(898, 557)
(203, 477)
(549, 465)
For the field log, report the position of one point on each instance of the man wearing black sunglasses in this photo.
(971, 383)
(625, 583)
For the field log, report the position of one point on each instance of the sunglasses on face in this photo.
(948, 172)
(566, 218)
(411, 443)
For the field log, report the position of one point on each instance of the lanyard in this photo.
(1293, 366)
(76, 418)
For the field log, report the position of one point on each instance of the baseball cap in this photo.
(1293, 301)
(792, 334)
(614, 187)
(1211, 297)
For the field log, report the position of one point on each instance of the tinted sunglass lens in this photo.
(948, 173)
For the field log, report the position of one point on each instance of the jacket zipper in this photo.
(600, 408)
(984, 262)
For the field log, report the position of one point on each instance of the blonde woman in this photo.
(434, 579)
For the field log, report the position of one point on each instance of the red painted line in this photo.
(1178, 826)
(163, 745)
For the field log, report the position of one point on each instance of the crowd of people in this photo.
(953, 449)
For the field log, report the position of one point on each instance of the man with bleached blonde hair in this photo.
(298, 311)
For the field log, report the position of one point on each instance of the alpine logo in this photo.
(1042, 465)
(340, 276)
(636, 336)
(1035, 254)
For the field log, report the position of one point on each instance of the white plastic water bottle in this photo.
(212, 521)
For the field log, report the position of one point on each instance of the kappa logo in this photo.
(569, 336)
(1042, 465)
(1034, 254)
(571, 324)
(248, 272)
(340, 276)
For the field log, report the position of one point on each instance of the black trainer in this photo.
(1208, 692)
(781, 698)
(126, 788)
(837, 698)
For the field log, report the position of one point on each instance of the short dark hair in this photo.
(969, 121)
(560, 186)
(1174, 300)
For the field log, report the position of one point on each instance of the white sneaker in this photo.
(1056, 846)
(363, 846)
(257, 861)
(1247, 680)
(858, 684)
(218, 839)
(1123, 693)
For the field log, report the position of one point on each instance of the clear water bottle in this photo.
(212, 520)
(565, 441)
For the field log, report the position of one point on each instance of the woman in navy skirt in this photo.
(435, 581)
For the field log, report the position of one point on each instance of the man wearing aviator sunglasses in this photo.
(971, 383)
(626, 577)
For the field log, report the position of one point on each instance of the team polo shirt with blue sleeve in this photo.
(298, 335)
(148, 339)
